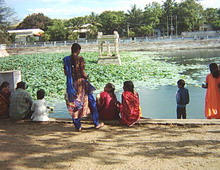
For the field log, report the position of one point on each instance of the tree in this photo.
(57, 31)
(152, 16)
(190, 15)
(169, 8)
(135, 19)
(212, 17)
(112, 21)
(38, 20)
(6, 16)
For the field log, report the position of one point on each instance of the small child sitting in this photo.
(182, 99)
(39, 107)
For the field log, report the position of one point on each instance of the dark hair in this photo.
(128, 86)
(3, 85)
(22, 85)
(75, 47)
(181, 82)
(214, 70)
(110, 88)
(40, 94)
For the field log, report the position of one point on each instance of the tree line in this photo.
(171, 18)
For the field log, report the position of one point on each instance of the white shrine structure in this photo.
(105, 42)
(3, 51)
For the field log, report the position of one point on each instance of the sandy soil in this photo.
(56, 145)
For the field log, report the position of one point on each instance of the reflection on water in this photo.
(160, 103)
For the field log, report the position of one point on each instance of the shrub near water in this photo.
(46, 71)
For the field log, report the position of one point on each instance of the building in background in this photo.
(26, 35)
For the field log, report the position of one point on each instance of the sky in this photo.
(66, 9)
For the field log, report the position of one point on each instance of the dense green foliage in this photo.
(38, 20)
(46, 71)
(171, 18)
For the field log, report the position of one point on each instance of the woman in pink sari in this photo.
(212, 99)
(130, 107)
(4, 99)
(107, 103)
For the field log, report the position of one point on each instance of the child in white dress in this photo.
(39, 107)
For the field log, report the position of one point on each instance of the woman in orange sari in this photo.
(4, 99)
(212, 99)
(130, 107)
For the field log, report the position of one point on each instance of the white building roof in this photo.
(26, 32)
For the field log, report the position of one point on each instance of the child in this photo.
(39, 107)
(130, 107)
(107, 103)
(182, 99)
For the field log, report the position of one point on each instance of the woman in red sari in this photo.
(212, 99)
(130, 107)
(4, 99)
(107, 103)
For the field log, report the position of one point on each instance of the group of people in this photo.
(80, 100)
(19, 105)
(212, 99)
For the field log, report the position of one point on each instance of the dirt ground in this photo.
(56, 145)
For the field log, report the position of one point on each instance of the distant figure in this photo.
(4, 99)
(79, 97)
(20, 102)
(182, 99)
(107, 103)
(212, 99)
(39, 107)
(130, 107)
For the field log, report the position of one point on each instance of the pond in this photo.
(159, 102)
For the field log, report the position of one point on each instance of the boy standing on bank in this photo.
(182, 99)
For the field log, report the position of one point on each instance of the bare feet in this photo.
(78, 130)
(100, 125)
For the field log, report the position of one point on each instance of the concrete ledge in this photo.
(143, 121)
(151, 121)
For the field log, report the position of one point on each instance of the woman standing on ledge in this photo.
(212, 99)
(79, 98)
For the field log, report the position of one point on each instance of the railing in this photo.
(94, 41)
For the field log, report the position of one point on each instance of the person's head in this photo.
(40, 94)
(128, 86)
(76, 48)
(214, 70)
(181, 83)
(22, 85)
(5, 84)
(110, 88)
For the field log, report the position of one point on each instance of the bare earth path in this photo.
(56, 145)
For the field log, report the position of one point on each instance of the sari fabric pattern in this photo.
(212, 100)
(4, 102)
(130, 108)
(78, 87)
(107, 106)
